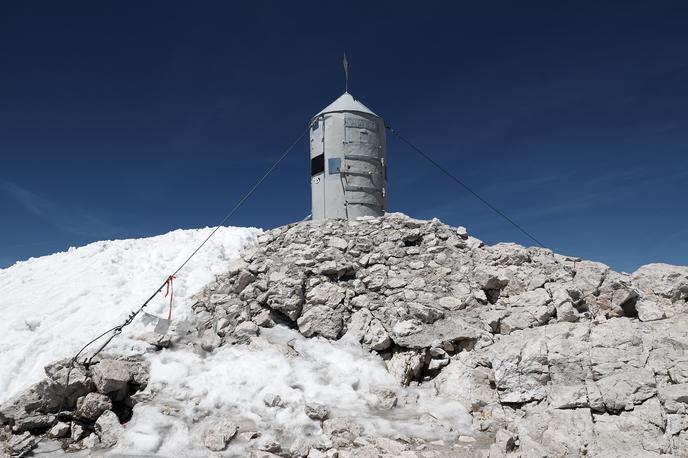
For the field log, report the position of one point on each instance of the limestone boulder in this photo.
(406, 365)
(108, 429)
(321, 320)
(92, 405)
(520, 366)
(218, 433)
(663, 280)
(110, 375)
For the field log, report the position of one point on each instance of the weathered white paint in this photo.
(353, 141)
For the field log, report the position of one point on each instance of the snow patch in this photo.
(233, 382)
(53, 305)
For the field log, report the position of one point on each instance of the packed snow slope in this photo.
(52, 305)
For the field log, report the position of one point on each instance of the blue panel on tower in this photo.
(333, 165)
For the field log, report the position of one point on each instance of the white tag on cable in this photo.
(162, 325)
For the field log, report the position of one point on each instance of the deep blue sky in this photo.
(129, 119)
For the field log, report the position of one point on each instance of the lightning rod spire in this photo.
(345, 62)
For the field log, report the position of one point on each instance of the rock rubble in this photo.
(82, 407)
(552, 355)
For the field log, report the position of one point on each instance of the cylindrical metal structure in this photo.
(348, 161)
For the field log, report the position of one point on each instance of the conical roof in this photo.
(345, 102)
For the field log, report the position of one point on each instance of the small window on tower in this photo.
(334, 165)
(318, 164)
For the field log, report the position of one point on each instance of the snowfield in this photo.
(53, 305)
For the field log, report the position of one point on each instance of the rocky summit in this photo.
(551, 355)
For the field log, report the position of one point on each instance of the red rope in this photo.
(170, 291)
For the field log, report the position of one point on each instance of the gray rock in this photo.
(140, 372)
(375, 282)
(363, 301)
(247, 328)
(536, 298)
(663, 280)
(265, 319)
(78, 431)
(337, 242)
(406, 328)
(316, 411)
(436, 363)
(462, 232)
(451, 303)
(521, 368)
(406, 365)
(273, 400)
(649, 310)
(376, 337)
(394, 448)
(566, 312)
(416, 265)
(326, 294)
(32, 422)
(505, 441)
(156, 340)
(589, 276)
(48, 395)
(617, 435)
(524, 318)
(616, 297)
(474, 243)
(493, 318)
(315, 453)
(358, 323)
(417, 283)
(321, 320)
(61, 429)
(19, 445)
(89, 441)
(218, 434)
(108, 429)
(336, 269)
(92, 405)
(622, 390)
(244, 279)
(210, 340)
(286, 299)
(110, 375)
(343, 430)
(424, 313)
(300, 446)
(396, 282)
(676, 423)
(555, 432)
(262, 454)
(220, 298)
(452, 328)
(386, 397)
(491, 278)
(674, 398)
(568, 396)
(72, 380)
(369, 330)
